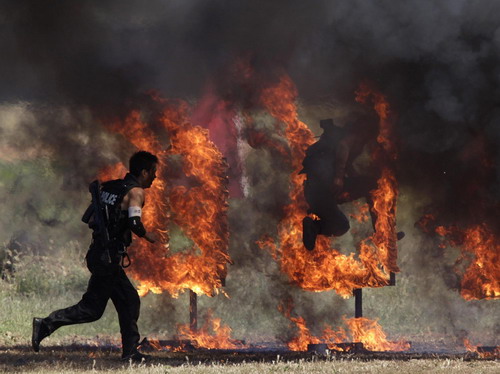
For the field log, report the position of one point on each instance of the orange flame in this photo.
(326, 268)
(370, 333)
(481, 279)
(475, 349)
(220, 338)
(155, 343)
(384, 238)
(365, 95)
(362, 330)
(362, 214)
(304, 336)
(200, 209)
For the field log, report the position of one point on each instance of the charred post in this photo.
(392, 279)
(193, 311)
(358, 302)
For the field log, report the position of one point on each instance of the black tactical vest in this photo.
(112, 194)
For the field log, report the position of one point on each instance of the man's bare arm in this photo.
(134, 204)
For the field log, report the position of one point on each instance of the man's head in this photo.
(326, 124)
(330, 128)
(142, 165)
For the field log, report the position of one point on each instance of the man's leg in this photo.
(334, 222)
(127, 304)
(89, 308)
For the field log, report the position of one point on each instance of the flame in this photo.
(200, 208)
(384, 238)
(481, 279)
(370, 333)
(443, 231)
(326, 268)
(362, 330)
(425, 222)
(495, 353)
(218, 116)
(366, 94)
(304, 336)
(155, 343)
(362, 214)
(469, 346)
(212, 335)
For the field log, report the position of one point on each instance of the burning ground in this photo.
(223, 88)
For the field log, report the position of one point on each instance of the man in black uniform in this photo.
(124, 199)
(332, 179)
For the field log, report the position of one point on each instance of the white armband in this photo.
(134, 211)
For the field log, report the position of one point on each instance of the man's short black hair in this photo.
(324, 123)
(140, 161)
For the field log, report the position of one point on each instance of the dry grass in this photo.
(78, 357)
(333, 366)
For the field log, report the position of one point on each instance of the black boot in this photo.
(40, 331)
(310, 230)
(136, 356)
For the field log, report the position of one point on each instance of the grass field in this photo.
(34, 285)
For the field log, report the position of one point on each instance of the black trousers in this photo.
(112, 284)
(322, 202)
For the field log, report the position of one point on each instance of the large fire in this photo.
(198, 204)
(326, 268)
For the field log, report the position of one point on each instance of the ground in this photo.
(82, 357)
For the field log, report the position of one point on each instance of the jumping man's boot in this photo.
(310, 230)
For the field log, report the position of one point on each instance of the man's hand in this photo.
(151, 237)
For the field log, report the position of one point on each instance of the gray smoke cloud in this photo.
(69, 67)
